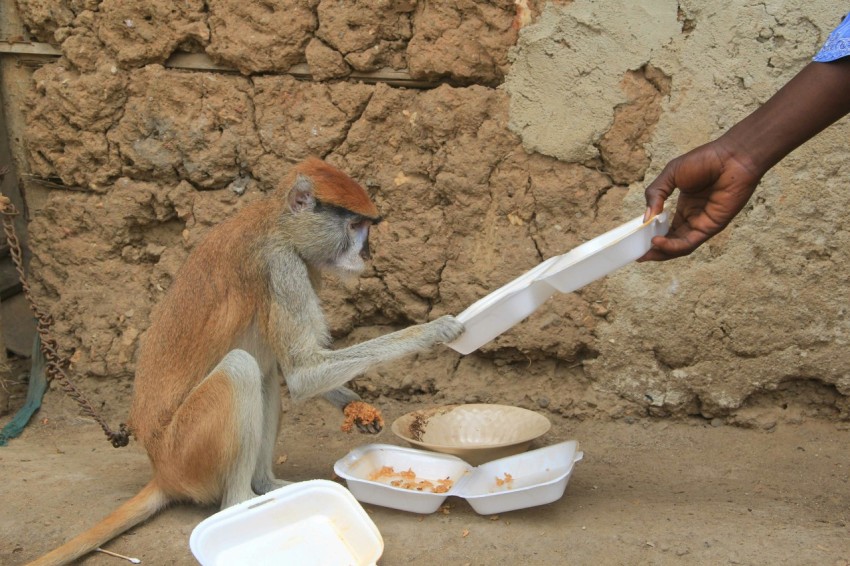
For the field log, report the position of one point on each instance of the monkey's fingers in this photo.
(373, 427)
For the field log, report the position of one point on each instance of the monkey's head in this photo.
(333, 215)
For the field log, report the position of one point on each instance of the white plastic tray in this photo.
(311, 522)
(492, 315)
(515, 482)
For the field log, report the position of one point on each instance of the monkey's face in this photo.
(334, 239)
(353, 246)
(329, 235)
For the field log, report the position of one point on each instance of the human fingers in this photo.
(670, 247)
(660, 190)
(686, 234)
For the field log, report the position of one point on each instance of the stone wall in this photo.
(518, 132)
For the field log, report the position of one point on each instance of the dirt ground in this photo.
(647, 492)
(505, 143)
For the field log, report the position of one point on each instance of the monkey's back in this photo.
(211, 303)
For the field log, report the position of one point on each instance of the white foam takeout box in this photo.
(310, 522)
(532, 478)
(492, 315)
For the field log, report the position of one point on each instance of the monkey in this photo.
(241, 313)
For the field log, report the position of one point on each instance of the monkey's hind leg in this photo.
(216, 434)
(264, 479)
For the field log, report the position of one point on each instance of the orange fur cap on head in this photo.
(334, 187)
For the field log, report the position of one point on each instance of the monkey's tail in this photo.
(132, 512)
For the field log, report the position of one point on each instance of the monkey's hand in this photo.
(444, 329)
(367, 418)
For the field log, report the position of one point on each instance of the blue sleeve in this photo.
(837, 44)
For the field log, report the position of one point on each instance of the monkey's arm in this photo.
(298, 333)
(341, 397)
(325, 370)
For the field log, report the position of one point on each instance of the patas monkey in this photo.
(242, 311)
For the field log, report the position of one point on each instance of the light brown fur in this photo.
(242, 310)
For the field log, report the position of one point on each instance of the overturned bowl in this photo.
(476, 433)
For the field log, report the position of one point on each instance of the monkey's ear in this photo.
(301, 195)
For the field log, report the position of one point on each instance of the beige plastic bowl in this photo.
(477, 433)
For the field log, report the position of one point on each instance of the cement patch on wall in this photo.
(763, 304)
(565, 77)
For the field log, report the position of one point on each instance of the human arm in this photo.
(716, 180)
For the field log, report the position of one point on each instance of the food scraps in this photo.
(508, 480)
(406, 479)
(358, 412)
(417, 427)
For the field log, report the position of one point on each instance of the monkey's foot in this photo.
(367, 418)
(265, 486)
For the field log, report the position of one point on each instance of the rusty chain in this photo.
(54, 361)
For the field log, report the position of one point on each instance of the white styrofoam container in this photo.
(603, 255)
(359, 464)
(537, 477)
(310, 522)
(495, 313)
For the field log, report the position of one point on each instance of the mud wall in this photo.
(517, 132)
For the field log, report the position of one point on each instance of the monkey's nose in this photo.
(365, 253)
